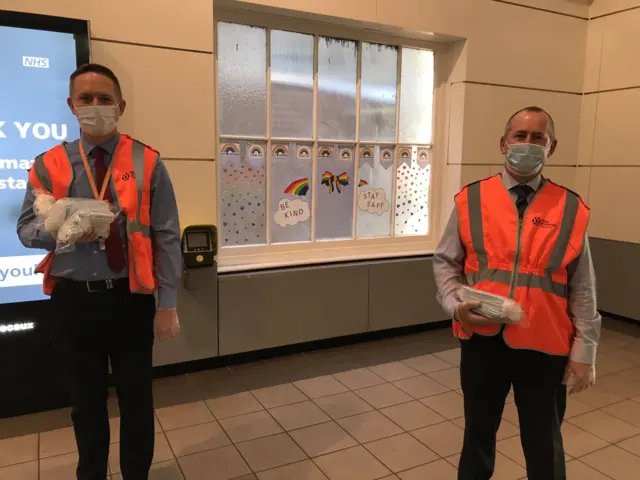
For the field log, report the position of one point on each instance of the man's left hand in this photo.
(166, 324)
(579, 376)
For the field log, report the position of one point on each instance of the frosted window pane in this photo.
(334, 181)
(243, 197)
(378, 94)
(416, 96)
(291, 85)
(375, 191)
(412, 191)
(291, 195)
(242, 66)
(336, 89)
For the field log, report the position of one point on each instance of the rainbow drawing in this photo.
(423, 155)
(405, 153)
(298, 187)
(366, 152)
(256, 151)
(386, 155)
(345, 154)
(230, 149)
(325, 152)
(304, 152)
(362, 183)
(335, 182)
(280, 151)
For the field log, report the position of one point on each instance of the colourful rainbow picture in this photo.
(304, 152)
(366, 152)
(325, 152)
(362, 183)
(386, 155)
(230, 149)
(280, 151)
(345, 154)
(298, 187)
(256, 151)
(405, 153)
(335, 182)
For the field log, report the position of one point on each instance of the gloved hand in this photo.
(579, 376)
(166, 324)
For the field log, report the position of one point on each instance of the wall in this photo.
(608, 148)
(163, 54)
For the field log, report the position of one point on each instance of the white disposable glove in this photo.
(166, 324)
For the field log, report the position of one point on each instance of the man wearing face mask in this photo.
(102, 293)
(519, 235)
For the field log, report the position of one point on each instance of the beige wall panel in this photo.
(152, 22)
(588, 117)
(620, 51)
(602, 7)
(362, 10)
(614, 195)
(593, 56)
(169, 95)
(570, 7)
(616, 132)
(487, 108)
(497, 44)
(194, 182)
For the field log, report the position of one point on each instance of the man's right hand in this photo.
(465, 314)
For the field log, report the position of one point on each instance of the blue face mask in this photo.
(526, 158)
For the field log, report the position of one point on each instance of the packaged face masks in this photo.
(494, 307)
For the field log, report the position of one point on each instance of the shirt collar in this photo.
(109, 146)
(510, 182)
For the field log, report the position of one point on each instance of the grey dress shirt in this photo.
(448, 268)
(88, 262)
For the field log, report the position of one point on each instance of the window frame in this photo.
(255, 257)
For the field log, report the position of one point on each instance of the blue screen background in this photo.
(34, 95)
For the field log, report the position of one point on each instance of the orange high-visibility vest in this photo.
(133, 167)
(523, 259)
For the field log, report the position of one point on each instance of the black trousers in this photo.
(488, 369)
(91, 330)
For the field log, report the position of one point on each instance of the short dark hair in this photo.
(95, 68)
(551, 128)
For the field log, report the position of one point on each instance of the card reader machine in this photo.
(199, 246)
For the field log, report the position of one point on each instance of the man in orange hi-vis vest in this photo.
(520, 235)
(102, 293)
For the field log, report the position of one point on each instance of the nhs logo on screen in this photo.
(35, 62)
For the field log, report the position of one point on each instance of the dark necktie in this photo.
(523, 192)
(113, 243)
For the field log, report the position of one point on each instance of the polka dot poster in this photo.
(243, 194)
(412, 192)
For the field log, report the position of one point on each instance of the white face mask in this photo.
(526, 158)
(98, 120)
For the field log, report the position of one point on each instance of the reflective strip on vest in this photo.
(40, 169)
(531, 280)
(137, 153)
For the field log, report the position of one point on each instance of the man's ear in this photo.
(503, 146)
(553, 146)
(123, 106)
(71, 107)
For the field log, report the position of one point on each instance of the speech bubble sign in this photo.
(292, 212)
(373, 201)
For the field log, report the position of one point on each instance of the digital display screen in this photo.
(34, 85)
(198, 240)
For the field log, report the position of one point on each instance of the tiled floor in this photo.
(389, 409)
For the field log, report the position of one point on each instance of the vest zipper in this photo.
(516, 260)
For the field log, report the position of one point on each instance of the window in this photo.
(324, 143)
